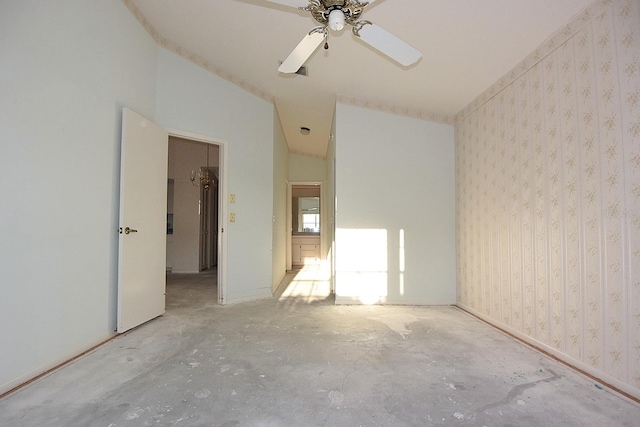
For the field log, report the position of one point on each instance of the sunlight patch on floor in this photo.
(310, 283)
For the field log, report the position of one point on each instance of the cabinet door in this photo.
(310, 253)
(296, 254)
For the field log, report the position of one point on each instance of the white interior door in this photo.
(143, 216)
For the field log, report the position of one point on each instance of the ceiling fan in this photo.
(334, 15)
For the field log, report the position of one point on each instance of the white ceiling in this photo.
(467, 45)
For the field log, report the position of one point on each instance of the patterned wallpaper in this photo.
(548, 196)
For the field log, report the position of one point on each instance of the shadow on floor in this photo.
(187, 291)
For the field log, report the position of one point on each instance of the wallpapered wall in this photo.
(548, 196)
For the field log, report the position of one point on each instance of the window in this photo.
(311, 223)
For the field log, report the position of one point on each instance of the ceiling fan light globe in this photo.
(336, 20)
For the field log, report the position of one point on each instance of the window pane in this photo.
(311, 223)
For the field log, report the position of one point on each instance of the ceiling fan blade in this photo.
(291, 3)
(387, 43)
(302, 52)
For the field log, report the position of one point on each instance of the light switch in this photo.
(232, 217)
(232, 198)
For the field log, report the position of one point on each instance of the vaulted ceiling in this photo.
(466, 44)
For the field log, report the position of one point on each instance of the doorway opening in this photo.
(308, 269)
(304, 217)
(194, 212)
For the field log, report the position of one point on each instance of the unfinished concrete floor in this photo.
(302, 361)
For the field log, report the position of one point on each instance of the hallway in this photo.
(187, 292)
(301, 361)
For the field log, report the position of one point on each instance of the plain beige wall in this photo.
(306, 169)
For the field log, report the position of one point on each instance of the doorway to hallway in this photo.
(187, 292)
(194, 212)
(305, 237)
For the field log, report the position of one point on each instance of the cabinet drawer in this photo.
(308, 247)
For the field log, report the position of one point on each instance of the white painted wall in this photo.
(67, 68)
(191, 99)
(306, 169)
(280, 173)
(395, 176)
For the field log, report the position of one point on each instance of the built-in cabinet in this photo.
(305, 249)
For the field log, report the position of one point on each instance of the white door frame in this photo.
(289, 225)
(222, 203)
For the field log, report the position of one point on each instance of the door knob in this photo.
(128, 230)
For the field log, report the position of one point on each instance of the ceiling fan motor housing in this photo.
(335, 13)
(336, 20)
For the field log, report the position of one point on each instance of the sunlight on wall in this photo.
(361, 264)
